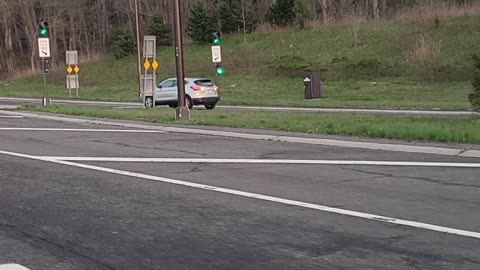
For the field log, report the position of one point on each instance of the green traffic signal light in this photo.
(43, 27)
(216, 38)
(220, 71)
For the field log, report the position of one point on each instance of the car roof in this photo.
(189, 79)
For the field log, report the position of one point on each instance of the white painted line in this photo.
(228, 134)
(11, 116)
(63, 101)
(129, 107)
(82, 130)
(338, 110)
(322, 208)
(268, 161)
(12, 267)
(19, 99)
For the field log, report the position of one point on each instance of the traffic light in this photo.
(216, 51)
(219, 70)
(217, 38)
(43, 27)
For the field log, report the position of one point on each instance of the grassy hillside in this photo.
(396, 64)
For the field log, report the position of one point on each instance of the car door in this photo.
(165, 89)
(172, 93)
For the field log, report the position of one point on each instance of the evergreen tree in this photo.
(161, 30)
(123, 43)
(237, 15)
(201, 24)
(475, 96)
(282, 13)
(302, 13)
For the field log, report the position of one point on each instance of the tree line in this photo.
(99, 27)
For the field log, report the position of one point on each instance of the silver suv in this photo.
(198, 91)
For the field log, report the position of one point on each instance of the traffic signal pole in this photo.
(46, 101)
(183, 113)
(44, 53)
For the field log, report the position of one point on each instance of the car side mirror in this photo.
(159, 86)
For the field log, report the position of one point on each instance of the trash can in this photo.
(313, 84)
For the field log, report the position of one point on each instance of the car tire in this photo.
(149, 102)
(210, 106)
(188, 102)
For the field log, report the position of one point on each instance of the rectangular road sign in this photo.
(71, 58)
(44, 47)
(216, 54)
(149, 46)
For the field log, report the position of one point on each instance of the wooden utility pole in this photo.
(183, 113)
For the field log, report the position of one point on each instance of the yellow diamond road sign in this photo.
(155, 65)
(76, 69)
(69, 70)
(147, 65)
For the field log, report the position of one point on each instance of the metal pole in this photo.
(139, 58)
(46, 100)
(183, 113)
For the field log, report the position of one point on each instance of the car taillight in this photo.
(196, 88)
(217, 88)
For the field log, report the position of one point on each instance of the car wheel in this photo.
(188, 102)
(149, 102)
(210, 106)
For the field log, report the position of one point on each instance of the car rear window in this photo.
(204, 83)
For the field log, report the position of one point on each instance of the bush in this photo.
(475, 96)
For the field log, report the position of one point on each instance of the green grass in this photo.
(432, 129)
(267, 68)
(258, 91)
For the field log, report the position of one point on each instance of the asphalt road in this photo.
(132, 105)
(58, 213)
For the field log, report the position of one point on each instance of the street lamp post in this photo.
(183, 113)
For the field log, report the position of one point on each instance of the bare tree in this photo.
(376, 11)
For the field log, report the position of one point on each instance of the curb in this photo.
(312, 141)
(8, 107)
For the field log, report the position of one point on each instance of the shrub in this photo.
(475, 96)
(426, 51)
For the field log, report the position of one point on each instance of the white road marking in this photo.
(11, 116)
(322, 208)
(276, 138)
(83, 130)
(268, 161)
(12, 267)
